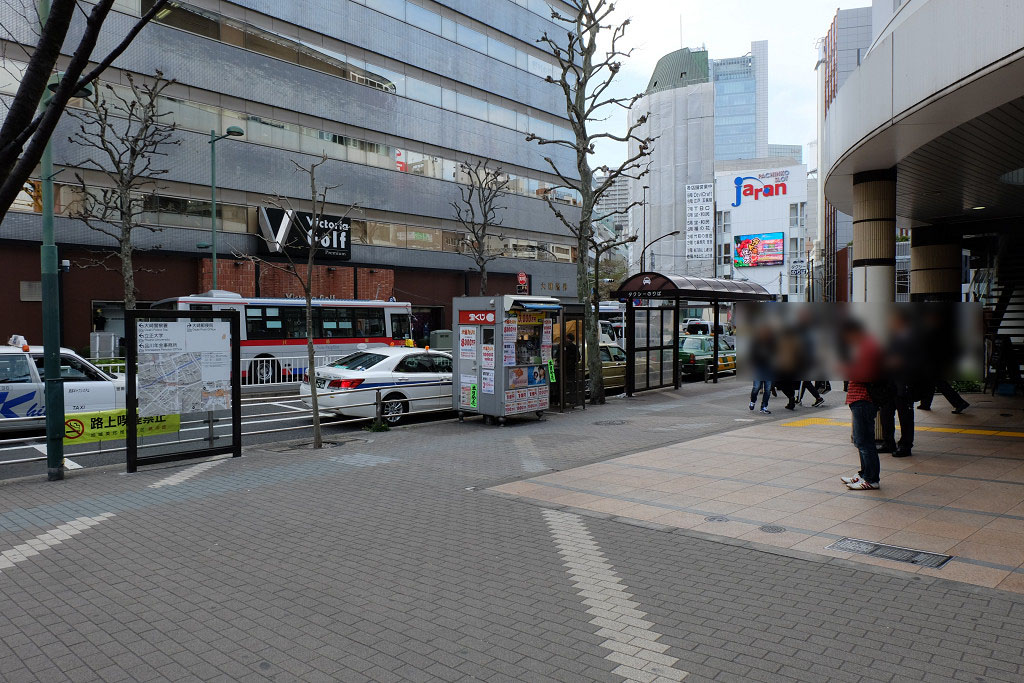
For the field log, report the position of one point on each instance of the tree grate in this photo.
(920, 558)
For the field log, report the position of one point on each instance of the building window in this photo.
(798, 216)
(723, 222)
(725, 254)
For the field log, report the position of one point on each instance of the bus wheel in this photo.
(264, 370)
(395, 406)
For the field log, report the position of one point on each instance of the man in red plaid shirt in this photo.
(862, 370)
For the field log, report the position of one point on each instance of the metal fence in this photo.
(264, 414)
(255, 371)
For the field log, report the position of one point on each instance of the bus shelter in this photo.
(652, 322)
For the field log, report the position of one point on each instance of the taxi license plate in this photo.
(321, 383)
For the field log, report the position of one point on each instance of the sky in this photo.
(726, 28)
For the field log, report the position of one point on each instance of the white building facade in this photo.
(761, 227)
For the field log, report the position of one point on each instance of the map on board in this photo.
(184, 366)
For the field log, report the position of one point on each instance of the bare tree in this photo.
(124, 134)
(478, 210)
(309, 235)
(586, 73)
(26, 129)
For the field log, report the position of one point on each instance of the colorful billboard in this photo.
(761, 249)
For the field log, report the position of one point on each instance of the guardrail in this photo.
(255, 371)
(280, 419)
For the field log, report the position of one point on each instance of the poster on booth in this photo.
(487, 355)
(545, 341)
(112, 425)
(487, 381)
(467, 343)
(184, 366)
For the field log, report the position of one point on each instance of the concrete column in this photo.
(935, 264)
(874, 236)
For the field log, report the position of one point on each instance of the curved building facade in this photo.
(925, 136)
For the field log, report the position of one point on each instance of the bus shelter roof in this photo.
(652, 285)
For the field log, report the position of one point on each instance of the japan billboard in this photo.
(760, 249)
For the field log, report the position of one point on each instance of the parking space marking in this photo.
(49, 539)
(629, 639)
(185, 474)
(285, 405)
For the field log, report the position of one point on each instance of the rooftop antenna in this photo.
(680, 31)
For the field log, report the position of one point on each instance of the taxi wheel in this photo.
(394, 408)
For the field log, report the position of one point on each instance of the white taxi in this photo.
(409, 379)
(87, 388)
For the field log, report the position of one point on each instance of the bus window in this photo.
(200, 307)
(369, 322)
(401, 326)
(263, 322)
(294, 318)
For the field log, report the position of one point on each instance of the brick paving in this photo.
(381, 559)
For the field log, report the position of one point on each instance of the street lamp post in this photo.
(644, 205)
(234, 132)
(53, 389)
(669, 234)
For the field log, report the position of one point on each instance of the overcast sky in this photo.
(726, 28)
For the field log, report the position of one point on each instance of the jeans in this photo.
(758, 384)
(864, 439)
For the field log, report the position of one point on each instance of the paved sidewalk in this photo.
(381, 559)
(961, 493)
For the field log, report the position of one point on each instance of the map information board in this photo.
(184, 366)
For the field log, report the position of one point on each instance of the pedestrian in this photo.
(902, 366)
(864, 360)
(950, 394)
(762, 358)
(812, 389)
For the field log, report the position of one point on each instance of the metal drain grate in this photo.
(771, 529)
(611, 423)
(921, 558)
(716, 518)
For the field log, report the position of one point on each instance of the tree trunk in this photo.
(483, 279)
(594, 340)
(127, 266)
(318, 440)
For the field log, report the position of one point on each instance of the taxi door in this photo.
(86, 389)
(21, 391)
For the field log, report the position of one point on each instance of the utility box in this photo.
(503, 363)
(441, 340)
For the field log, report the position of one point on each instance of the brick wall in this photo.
(233, 275)
(328, 281)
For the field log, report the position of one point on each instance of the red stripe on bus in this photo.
(302, 342)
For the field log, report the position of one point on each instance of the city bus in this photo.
(612, 315)
(273, 331)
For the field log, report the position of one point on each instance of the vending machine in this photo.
(503, 364)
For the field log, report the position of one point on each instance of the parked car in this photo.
(696, 353)
(408, 379)
(613, 364)
(87, 388)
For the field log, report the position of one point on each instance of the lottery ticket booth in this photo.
(502, 355)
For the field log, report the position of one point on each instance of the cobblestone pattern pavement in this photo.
(374, 561)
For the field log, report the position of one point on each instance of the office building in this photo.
(707, 116)
(396, 93)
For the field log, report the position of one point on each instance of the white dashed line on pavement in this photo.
(288, 406)
(185, 474)
(45, 541)
(630, 641)
(71, 464)
(530, 457)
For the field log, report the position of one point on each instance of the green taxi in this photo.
(696, 352)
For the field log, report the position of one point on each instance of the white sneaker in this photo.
(850, 480)
(861, 485)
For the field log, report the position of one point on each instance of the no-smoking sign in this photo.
(73, 428)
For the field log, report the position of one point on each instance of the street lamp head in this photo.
(234, 131)
(54, 82)
(674, 232)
